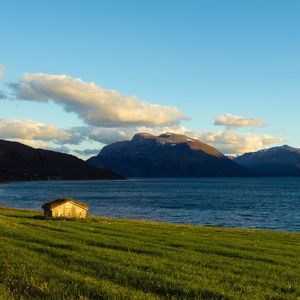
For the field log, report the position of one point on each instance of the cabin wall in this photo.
(47, 213)
(68, 210)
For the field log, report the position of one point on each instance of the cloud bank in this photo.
(39, 135)
(232, 142)
(230, 120)
(112, 117)
(227, 141)
(93, 104)
(34, 143)
(31, 130)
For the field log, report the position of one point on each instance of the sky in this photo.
(77, 75)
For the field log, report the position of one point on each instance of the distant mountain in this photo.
(20, 162)
(276, 161)
(167, 155)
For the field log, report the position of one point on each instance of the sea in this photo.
(260, 203)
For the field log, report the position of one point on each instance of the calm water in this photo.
(268, 203)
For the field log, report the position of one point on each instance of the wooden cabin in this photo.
(65, 208)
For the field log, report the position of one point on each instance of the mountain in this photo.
(276, 161)
(20, 162)
(167, 155)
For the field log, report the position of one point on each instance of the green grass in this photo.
(120, 259)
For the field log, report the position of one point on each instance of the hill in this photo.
(276, 161)
(166, 155)
(120, 259)
(21, 162)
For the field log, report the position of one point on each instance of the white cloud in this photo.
(228, 142)
(1, 72)
(230, 120)
(34, 143)
(231, 142)
(31, 130)
(40, 135)
(93, 104)
(114, 117)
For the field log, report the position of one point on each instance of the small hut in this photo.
(65, 208)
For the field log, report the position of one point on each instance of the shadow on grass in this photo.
(41, 217)
(36, 217)
(45, 227)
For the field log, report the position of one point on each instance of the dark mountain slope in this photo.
(276, 161)
(20, 162)
(167, 155)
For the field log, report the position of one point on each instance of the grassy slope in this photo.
(121, 259)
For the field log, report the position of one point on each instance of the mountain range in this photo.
(145, 155)
(276, 161)
(21, 162)
(166, 155)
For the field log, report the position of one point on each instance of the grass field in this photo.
(121, 259)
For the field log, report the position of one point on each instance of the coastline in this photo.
(95, 218)
(60, 179)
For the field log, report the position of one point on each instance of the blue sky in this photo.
(206, 58)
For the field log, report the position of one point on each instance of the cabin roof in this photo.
(57, 202)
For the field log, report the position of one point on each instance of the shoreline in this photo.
(149, 222)
(151, 178)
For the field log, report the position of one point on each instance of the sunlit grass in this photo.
(121, 259)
